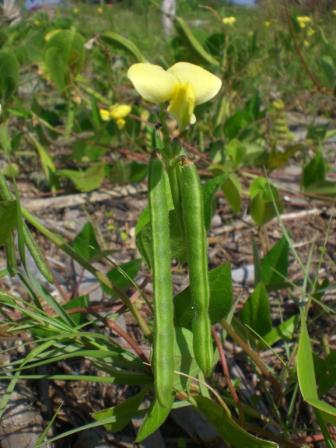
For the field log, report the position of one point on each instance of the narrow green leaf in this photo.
(155, 417)
(232, 192)
(119, 41)
(186, 33)
(306, 375)
(231, 432)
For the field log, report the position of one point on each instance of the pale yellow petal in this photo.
(152, 82)
(121, 123)
(119, 111)
(104, 114)
(182, 105)
(205, 85)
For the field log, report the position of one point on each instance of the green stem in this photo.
(69, 123)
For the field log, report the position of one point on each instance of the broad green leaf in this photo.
(228, 428)
(64, 56)
(235, 151)
(306, 375)
(235, 124)
(188, 37)
(122, 276)
(323, 188)
(9, 75)
(274, 266)
(232, 192)
(87, 180)
(85, 242)
(284, 331)
(265, 201)
(123, 412)
(119, 41)
(155, 417)
(256, 311)
(314, 171)
(8, 219)
(220, 298)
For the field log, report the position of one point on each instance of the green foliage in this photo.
(265, 201)
(256, 311)
(64, 56)
(220, 298)
(275, 110)
(86, 180)
(8, 219)
(9, 75)
(227, 427)
(192, 42)
(119, 41)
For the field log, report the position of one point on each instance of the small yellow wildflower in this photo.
(104, 114)
(334, 12)
(267, 23)
(229, 20)
(118, 113)
(100, 10)
(303, 21)
(184, 85)
(310, 31)
(75, 10)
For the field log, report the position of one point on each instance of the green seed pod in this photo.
(195, 235)
(163, 351)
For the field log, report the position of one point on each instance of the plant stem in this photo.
(254, 356)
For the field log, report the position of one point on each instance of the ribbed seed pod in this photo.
(163, 351)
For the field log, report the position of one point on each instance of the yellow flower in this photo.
(184, 85)
(104, 114)
(303, 21)
(118, 113)
(75, 10)
(267, 23)
(334, 12)
(100, 10)
(229, 20)
(310, 31)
